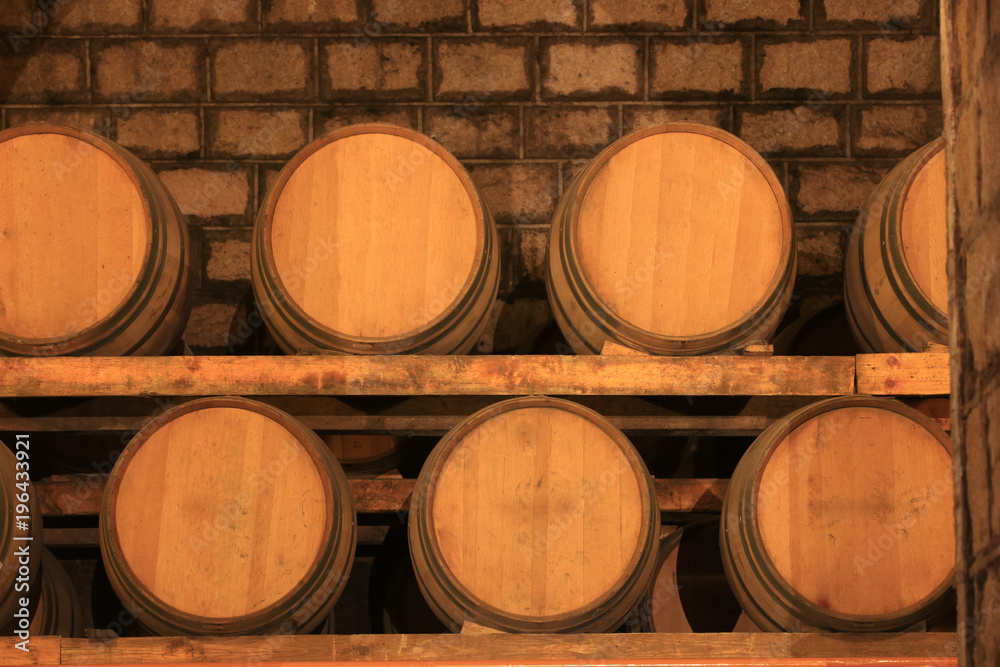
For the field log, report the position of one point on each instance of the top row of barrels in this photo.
(675, 240)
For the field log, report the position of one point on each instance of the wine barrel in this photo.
(374, 240)
(896, 263)
(95, 256)
(534, 515)
(676, 239)
(365, 454)
(840, 517)
(18, 572)
(59, 612)
(227, 516)
(690, 592)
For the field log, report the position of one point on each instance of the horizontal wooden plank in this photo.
(407, 424)
(423, 374)
(41, 651)
(522, 649)
(912, 374)
(78, 495)
(631, 662)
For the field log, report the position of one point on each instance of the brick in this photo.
(373, 69)
(833, 191)
(155, 133)
(886, 15)
(802, 130)
(210, 193)
(636, 117)
(253, 133)
(482, 132)
(198, 16)
(519, 192)
(250, 70)
(209, 326)
(903, 67)
(483, 69)
(683, 68)
(90, 17)
(327, 120)
(137, 70)
(744, 14)
(333, 15)
(815, 68)
(817, 250)
(51, 72)
(894, 129)
(591, 69)
(574, 132)
(660, 15)
(407, 15)
(89, 120)
(227, 255)
(548, 15)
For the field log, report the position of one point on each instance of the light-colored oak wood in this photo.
(374, 240)
(820, 650)
(80, 495)
(415, 375)
(94, 254)
(895, 273)
(58, 611)
(534, 515)
(225, 516)
(41, 651)
(914, 374)
(368, 454)
(840, 517)
(676, 239)
(18, 529)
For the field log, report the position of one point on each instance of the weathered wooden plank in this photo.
(72, 537)
(67, 495)
(423, 374)
(407, 424)
(911, 374)
(41, 651)
(524, 649)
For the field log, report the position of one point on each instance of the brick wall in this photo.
(218, 95)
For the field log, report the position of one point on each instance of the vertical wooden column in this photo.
(971, 83)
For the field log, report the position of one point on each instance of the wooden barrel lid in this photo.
(537, 511)
(221, 510)
(924, 227)
(682, 231)
(376, 232)
(855, 511)
(74, 232)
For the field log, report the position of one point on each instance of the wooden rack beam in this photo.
(773, 649)
(81, 495)
(422, 375)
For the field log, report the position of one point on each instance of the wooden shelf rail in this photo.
(81, 495)
(771, 649)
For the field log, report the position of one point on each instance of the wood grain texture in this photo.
(895, 274)
(42, 651)
(364, 454)
(534, 515)
(840, 517)
(932, 648)
(924, 230)
(677, 239)
(914, 374)
(224, 516)
(374, 240)
(80, 495)
(94, 253)
(415, 375)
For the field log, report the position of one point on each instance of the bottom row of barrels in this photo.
(228, 516)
